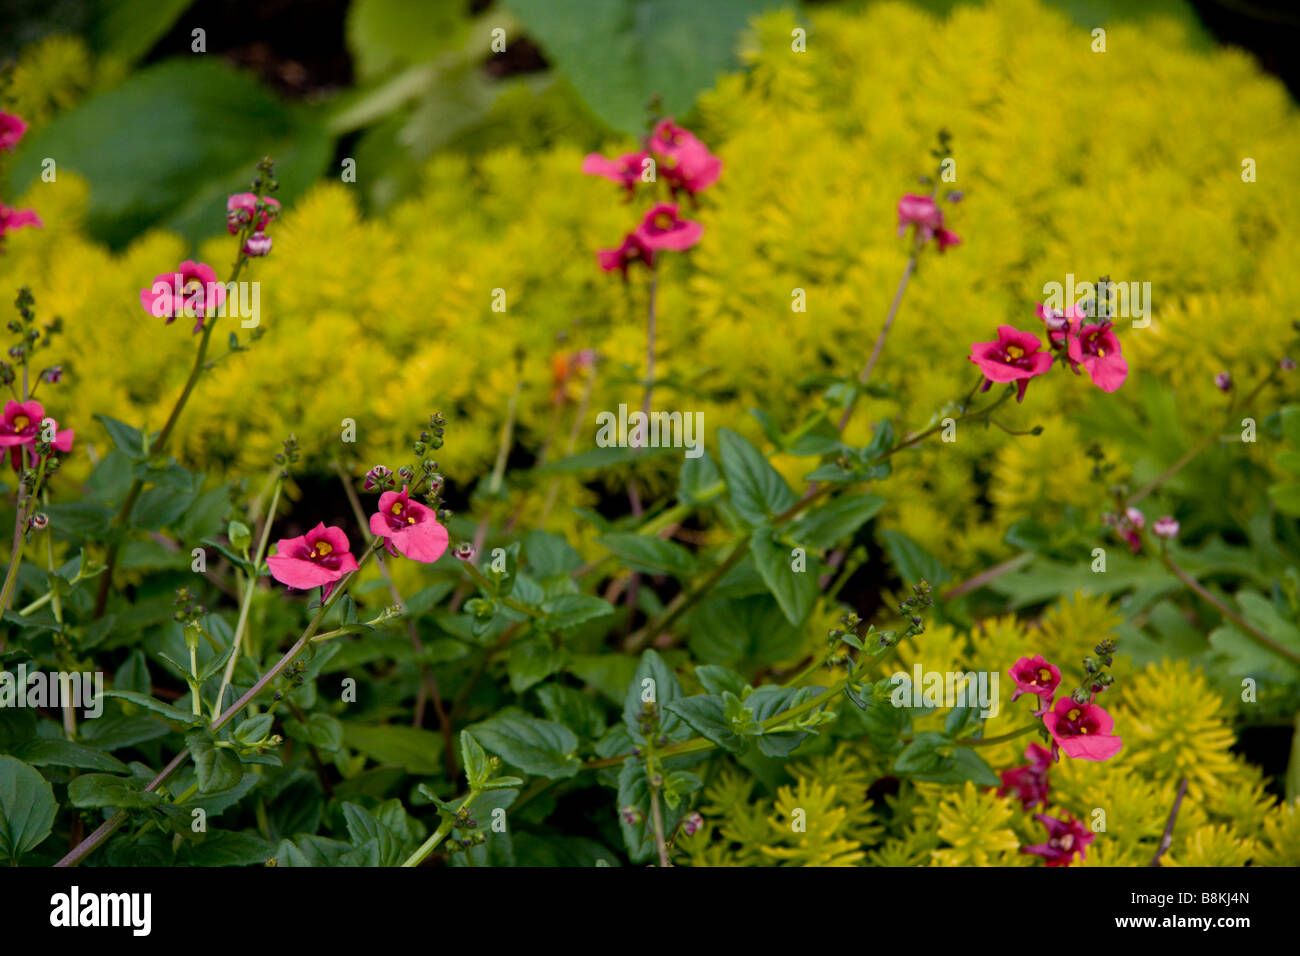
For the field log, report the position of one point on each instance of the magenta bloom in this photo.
(631, 250)
(12, 129)
(192, 290)
(258, 244)
(1029, 783)
(1165, 527)
(21, 425)
(14, 219)
(1064, 839)
(241, 207)
(1015, 357)
(919, 211)
(409, 527)
(1129, 527)
(686, 162)
(624, 171)
(947, 238)
(1083, 731)
(662, 228)
(1033, 675)
(316, 559)
(1097, 349)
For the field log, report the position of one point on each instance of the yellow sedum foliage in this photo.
(1124, 164)
(381, 319)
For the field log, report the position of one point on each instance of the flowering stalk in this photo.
(246, 231)
(106, 829)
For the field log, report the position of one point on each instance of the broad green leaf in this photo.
(653, 683)
(757, 491)
(538, 747)
(166, 148)
(650, 554)
(795, 591)
(826, 525)
(27, 809)
(105, 790)
(416, 750)
(621, 53)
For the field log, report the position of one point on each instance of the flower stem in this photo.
(1254, 633)
(438, 835)
(105, 830)
(247, 601)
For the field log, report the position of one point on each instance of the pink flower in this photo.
(1064, 839)
(193, 290)
(1165, 527)
(662, 228)
(409, 527)
(947, 238)
(258, 244)
(1033, 675)
(631, 250)
(241, 207)
(1097, 349)
(624, 171)
(686, 162)
(12, 129)
(1129, 526)
(1029, 782)
(1014, 357)
(13, 219)
(919, 211)
(21, 425)
(1083, 731)
(316, 559)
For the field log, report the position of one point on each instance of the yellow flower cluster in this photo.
(1121, 163)
(1174, 724)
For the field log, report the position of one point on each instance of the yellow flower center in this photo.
(21, 422)
(321, 549)
(1015, 352)
(397, 508)
(1073, 714)
(663, 221)
(1101, 353)
(1044, 674)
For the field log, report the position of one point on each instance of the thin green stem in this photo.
(440, 834)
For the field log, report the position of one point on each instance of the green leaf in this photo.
(27, 809)
(742, 631)
(165, 148)
(218, 768)
(474, 760)
(620, 53)
(716, 680)
(128, 29)
(531, 662)
(57, 752)
(105, 790)
(706, 714)
(537, 747)
(127, 438)
(157, 706)
(321, 731)
(698, 475)
(415, 750)
(383, 35)
(653, 682)
(913, 562)
(567, 611)
(795, 591)
(549, 555)
(650, 554)
(578, 711)
(757, 490)
(226, 848)
(253, 729)
(840, 518)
